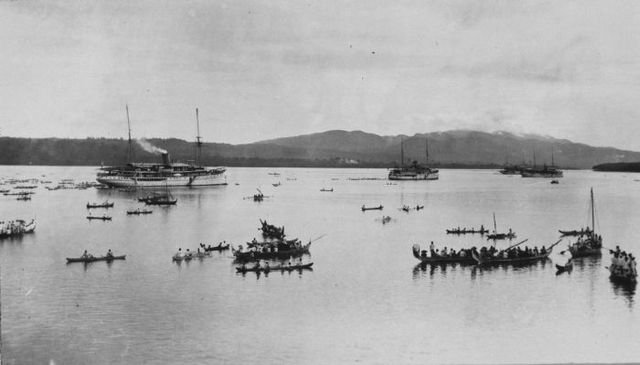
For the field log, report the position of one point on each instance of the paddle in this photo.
(512, 246)
(317, 238)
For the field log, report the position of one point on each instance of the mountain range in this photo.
(457, 148)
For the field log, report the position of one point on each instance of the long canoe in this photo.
(92, 259)
(467, 231)
(501, 236)
(514, 260)
(100, 205)
(573, 233)
(257, 255)
(380, 207)
(100, 218)
(437, 259)
(275, 268)
(217, 248)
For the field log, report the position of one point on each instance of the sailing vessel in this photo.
(500, 236)
(589, 244)
(414, 171)
(138, 174)
(541, 171)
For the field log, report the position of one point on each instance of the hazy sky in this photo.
(266, 69)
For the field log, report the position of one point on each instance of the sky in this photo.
(266, 69)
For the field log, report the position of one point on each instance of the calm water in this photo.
(366, 300)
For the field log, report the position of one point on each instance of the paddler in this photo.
(109, 254)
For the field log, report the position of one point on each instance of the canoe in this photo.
(565, 267)
(138, 212)
(218, 248)
(515, 260)
(275, 268)
(257, 255)
(467, 231)
(372, 208)
(200, 255)
(501, 236)
(437, 259)
(573, 233)
(586, 252)
(92, 259)
(101, 218)
(100, 205)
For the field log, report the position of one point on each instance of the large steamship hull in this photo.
(118, 181)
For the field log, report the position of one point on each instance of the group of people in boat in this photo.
(86, 255)
(517, 252)
(491, 251)
(208, 248)
(623, 264)
(188, 254)
(445, 252)
(593, 241)
(14, 228)
(280, 245)
(257, 266)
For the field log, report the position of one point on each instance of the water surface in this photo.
(367, 299)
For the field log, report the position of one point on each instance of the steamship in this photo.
(414, 171)
(165, 174)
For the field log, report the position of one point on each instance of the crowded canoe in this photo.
(16, 228)
(105, 204)
(257, 267)
(623, 266)
(465, 230)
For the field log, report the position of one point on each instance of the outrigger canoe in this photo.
(241, 269)
(94, 258)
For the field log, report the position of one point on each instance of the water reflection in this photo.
(624, 289)
(421, 269)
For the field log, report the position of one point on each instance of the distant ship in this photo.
(165, 174)
(414, 171)
(541, 171)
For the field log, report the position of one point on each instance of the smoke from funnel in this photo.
(149, 147)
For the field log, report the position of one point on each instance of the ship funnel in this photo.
(166, 160)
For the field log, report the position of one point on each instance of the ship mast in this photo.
(401, 152)
(593, 216)
(198, 139)
(130, 150)
(426, 149)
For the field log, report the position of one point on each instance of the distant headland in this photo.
(336, 148)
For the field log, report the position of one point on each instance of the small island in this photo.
(618, 167)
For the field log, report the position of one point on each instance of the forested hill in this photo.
(331, 148)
